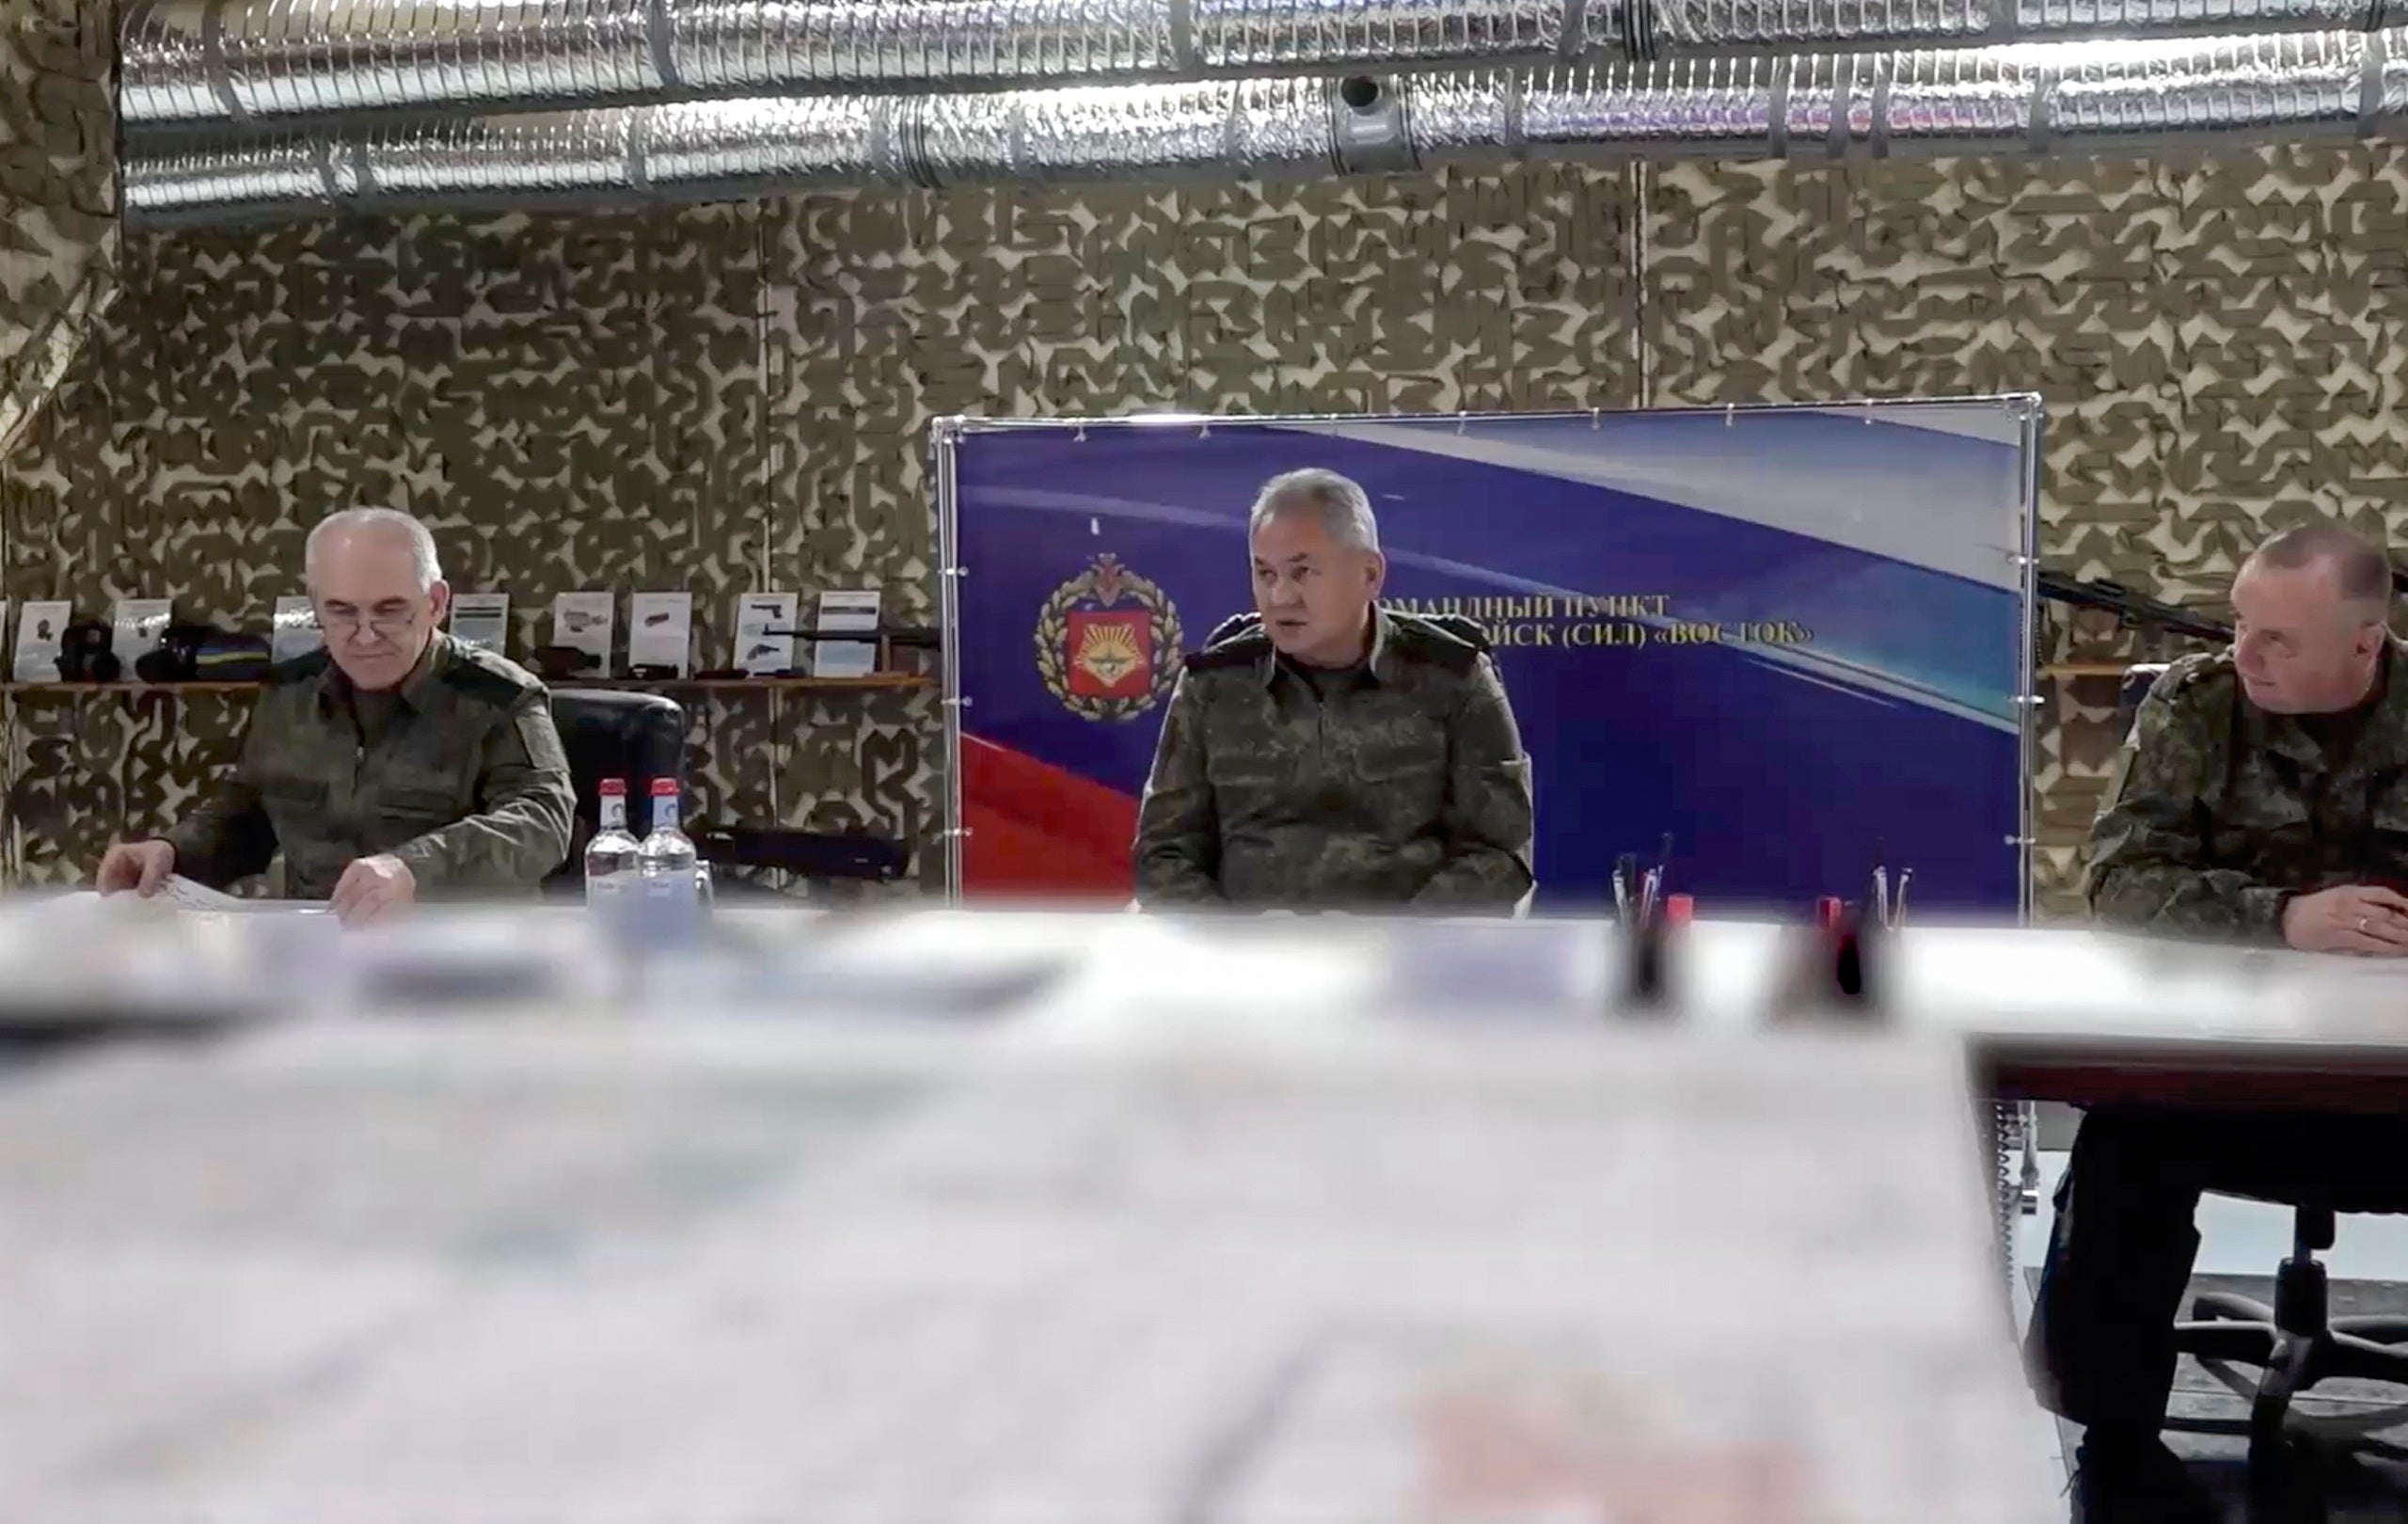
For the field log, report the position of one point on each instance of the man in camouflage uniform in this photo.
(2261, 797)
(392, 764)
(1326, 753)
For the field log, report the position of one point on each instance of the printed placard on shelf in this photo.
(846, 612)
(141, 623)
(765, 623)
(296, 633)
(481, 620)
(40, 632)
(660, 631)
(584, 622)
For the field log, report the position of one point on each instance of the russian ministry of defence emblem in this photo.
(1107, 644)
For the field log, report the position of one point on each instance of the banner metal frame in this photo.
(946, 434)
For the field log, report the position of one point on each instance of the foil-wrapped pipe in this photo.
(1684, 106)
(758, 44)
(2026, 97)
(237, 181)
(2159, 87)
(2020, 98)
(1178, 130)
(230, 62)
(208, 61)
(690, 150)
(1227, 129)
(565, 156)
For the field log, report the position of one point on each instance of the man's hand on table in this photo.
(142, 867)
(374, 888)
(2349, 918)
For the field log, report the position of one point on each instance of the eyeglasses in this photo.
(385, 626)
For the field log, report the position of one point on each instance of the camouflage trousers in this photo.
(2101, 1344)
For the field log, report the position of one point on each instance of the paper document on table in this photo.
(1169, 1280)
(184, 894)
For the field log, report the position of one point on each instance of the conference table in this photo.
(966, 1216)
(936, 1214)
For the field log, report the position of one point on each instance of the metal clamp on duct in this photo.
(1367, 127)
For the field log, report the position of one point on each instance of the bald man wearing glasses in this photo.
(395, 764)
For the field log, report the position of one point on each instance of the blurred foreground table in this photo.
(1064, 1220)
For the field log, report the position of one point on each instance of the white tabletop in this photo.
(1144, 1254)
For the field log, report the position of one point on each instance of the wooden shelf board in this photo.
(2085, 669)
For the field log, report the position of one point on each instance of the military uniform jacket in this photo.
(2220, 812)
(466, 781)
(1409, 786)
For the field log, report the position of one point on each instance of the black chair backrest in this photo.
(2138, 680)
(611, 733)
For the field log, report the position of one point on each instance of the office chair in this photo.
(611, 733)
(2296, 1342)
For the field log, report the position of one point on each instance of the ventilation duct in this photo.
(200, 62)
(2017, 99)
(708, 149)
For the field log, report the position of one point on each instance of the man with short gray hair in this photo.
(1326, 753)
(394, 763)
(2261, 798)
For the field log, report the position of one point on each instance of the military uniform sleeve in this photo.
(1488, 818)
(1178, 849)
(2149, 868)
(520, 831)
(230, 836)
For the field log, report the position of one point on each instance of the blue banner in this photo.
(1789, 639)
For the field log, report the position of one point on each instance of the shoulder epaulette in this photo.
(1235, 642)
(483, 675)
(1454, 642)
(2190, 671)
(1232, 628)
(307, 667)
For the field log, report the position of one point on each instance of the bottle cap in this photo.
(664, 788)
(1679, 909)
(1827, 913)
(611, 788)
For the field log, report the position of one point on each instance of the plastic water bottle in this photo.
(668, 883)
(612, 868)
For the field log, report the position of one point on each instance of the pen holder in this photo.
(1835, 969)
(1645, 975)
(1650, 943)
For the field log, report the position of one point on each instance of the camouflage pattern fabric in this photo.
(2220, 811)
(1404, 783)
(466, 783)
(737, 397)
(58, 193)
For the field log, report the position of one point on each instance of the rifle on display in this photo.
(2136, 609)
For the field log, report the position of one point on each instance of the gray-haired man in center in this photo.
(394, 763)
(1326, 753)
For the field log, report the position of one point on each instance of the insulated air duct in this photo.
(710, 149)
(218, 62)
(1966, 100)
(2016, 99)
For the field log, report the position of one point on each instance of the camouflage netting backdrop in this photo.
(57, 193)
(733, 397)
